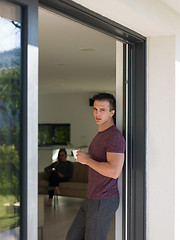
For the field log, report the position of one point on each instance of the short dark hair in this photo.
(106, 97)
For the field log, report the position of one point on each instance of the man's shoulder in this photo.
(115, 141)
(114, 131)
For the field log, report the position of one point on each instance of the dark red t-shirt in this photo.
(99, 186)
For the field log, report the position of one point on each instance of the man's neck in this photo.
(103, 127)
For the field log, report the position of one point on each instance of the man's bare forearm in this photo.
(112, 168)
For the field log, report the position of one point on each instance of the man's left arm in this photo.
(112, 168)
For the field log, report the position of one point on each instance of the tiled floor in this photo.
(57, 222)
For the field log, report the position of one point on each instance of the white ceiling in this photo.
(173, 4)
(73, 57)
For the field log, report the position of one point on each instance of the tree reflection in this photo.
(9, 105)
(10, 90)
(9, 144)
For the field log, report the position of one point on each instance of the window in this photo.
(53, 134)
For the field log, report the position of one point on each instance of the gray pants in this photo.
(93, 219)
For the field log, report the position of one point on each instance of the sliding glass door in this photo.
(18, 86)
(10, 112)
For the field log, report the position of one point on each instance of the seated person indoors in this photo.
(61, 171)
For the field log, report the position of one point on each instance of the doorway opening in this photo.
(76, 62)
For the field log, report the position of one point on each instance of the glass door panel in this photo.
(10, 84)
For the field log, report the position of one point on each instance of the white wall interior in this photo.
(70, 108)
(78, 63)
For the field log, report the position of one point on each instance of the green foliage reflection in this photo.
(9, 105)
(9, 146)
(9, 217)
(10, 89)
(9, 170)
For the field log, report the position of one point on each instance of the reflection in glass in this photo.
(10, 58)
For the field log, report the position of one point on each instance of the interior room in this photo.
(75, 62)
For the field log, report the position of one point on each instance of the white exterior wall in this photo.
(177, 140)
(155, 20)
(160, 138)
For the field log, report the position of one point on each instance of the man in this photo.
(105, 161)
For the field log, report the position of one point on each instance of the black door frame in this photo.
(29, 118)
(136, 185)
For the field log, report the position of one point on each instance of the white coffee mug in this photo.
(75, 153)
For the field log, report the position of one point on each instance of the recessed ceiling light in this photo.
(61, 64)
(87, 49)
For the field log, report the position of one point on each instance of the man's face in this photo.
(102, 113)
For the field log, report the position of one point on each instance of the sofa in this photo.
(75, 187)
